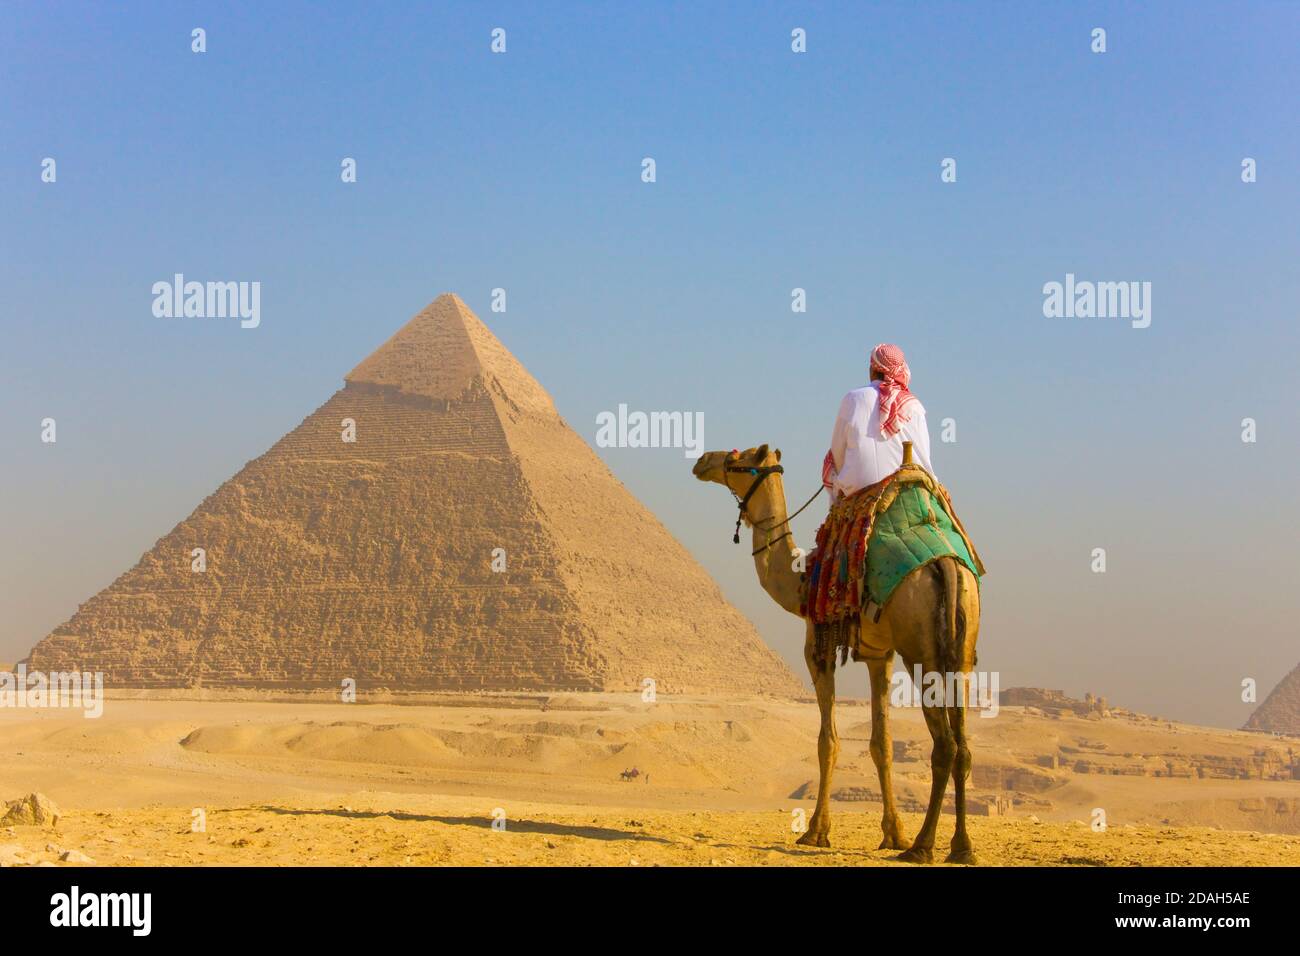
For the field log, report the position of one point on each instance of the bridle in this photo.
(761, 474)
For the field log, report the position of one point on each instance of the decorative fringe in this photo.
(832, 638)
(836, 579)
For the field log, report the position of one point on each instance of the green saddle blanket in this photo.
(912, 531)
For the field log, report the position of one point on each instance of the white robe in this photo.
(862, 457)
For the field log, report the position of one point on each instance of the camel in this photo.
(931, 619)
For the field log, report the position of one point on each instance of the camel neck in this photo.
(775, 561)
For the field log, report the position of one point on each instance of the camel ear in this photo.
(778, 454)
(760, 454)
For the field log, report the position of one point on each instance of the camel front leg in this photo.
(828, 741)
(882, 750)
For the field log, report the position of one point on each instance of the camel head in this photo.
(736, 470)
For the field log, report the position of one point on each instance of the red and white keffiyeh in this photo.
(888, 360)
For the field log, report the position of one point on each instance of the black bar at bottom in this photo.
(650, 904)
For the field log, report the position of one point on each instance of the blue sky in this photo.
(775, 170)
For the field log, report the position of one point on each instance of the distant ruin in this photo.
(1053, 701)
(1277, 761)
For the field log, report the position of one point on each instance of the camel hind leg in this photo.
(828, 741)
(960, 848)
(941, 761)
(943, 655)
(965, 631)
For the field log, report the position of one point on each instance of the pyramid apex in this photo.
(443, 352)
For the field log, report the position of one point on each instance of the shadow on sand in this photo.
(483, 823)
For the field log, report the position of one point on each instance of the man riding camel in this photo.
(872, 424)
(893, 573)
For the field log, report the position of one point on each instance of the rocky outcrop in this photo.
(33, 810)
(467, 539)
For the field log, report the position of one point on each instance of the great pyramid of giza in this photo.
(373, 559)
(1280, 711)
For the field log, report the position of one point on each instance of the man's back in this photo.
(862, 456)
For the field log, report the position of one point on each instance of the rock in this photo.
(35, 809)
(905, 750)
(74, 856)
(11, 854)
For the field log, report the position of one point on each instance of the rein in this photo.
(762, 475)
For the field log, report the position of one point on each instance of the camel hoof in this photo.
(966, 857)
(893, 842)
(917, 854)
(814, 838)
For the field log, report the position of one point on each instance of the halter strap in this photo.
(762, 474)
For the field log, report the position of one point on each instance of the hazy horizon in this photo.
(775, 171)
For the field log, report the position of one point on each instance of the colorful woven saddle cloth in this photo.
(871, 540)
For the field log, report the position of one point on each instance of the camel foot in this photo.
(815, 838)
(917, 854)
(965, 856)
(892, 841)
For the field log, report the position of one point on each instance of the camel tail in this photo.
(954, 644)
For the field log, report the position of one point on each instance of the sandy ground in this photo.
(191, 782)
(456, 831)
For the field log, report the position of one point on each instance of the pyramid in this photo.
(374, 559)
(1280, 711)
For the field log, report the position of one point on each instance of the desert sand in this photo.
(721, 781)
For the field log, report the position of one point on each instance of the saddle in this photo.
(872, 540)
